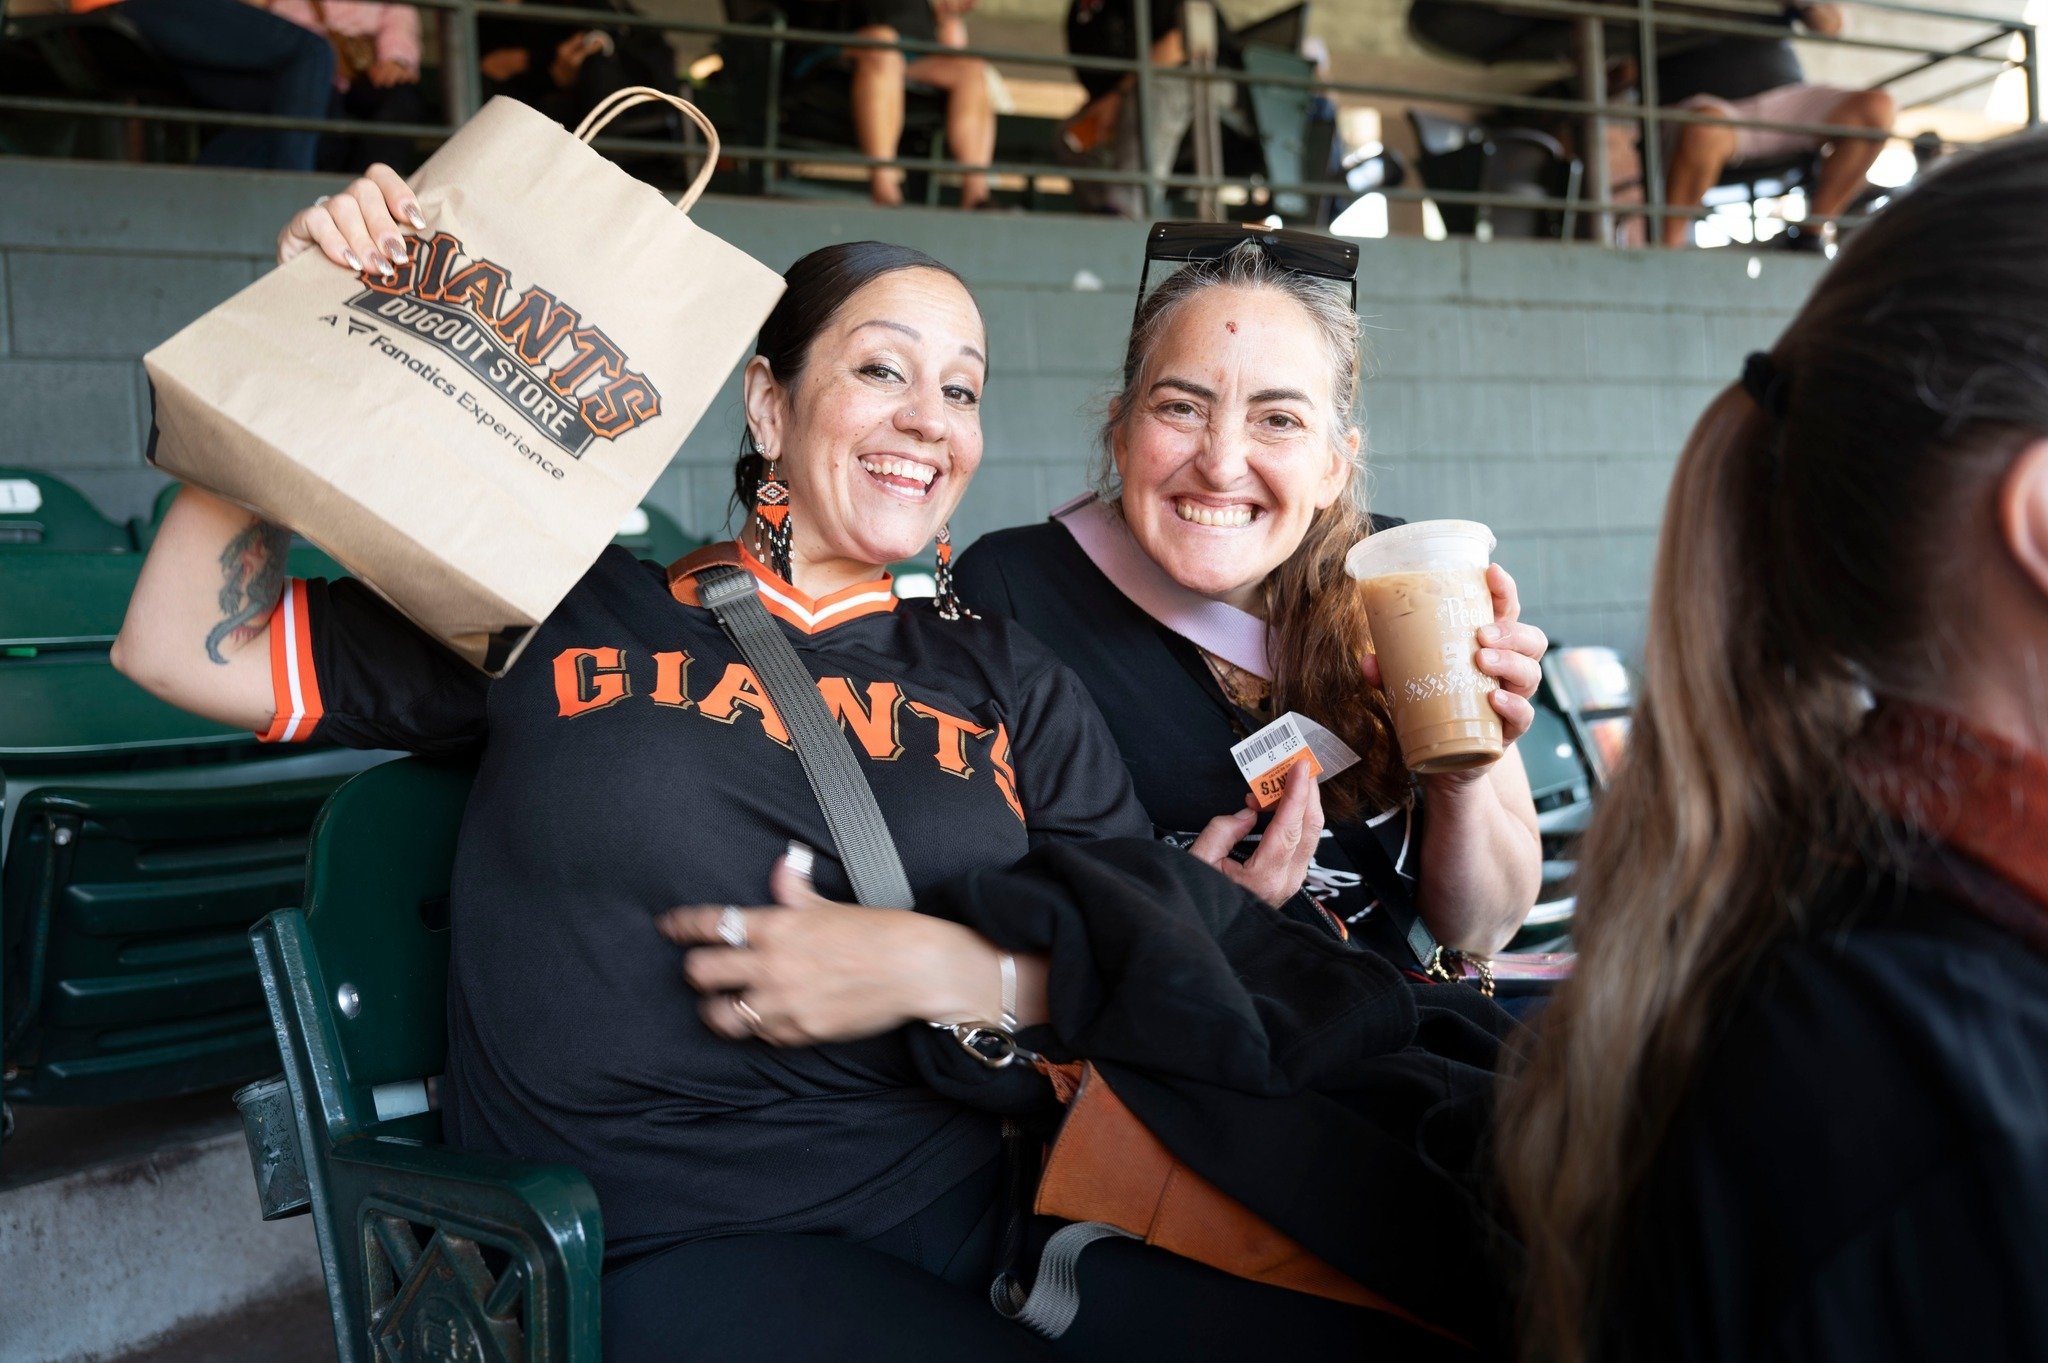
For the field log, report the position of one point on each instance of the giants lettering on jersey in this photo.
(871, 713)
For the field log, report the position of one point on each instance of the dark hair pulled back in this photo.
(1819, 538)
(818, 286)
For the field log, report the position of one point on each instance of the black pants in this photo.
(1141, 1303)
(351, 152)
(234, 56)
(920, 1291)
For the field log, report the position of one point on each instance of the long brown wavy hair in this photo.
(1315, 610)
(1810, 558)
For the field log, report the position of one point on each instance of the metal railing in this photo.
(1589, 20)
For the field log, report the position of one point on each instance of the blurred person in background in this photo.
(376, 76)
(235, 57)
(563, 69)
(1794, 1103)
(1104, 134)
(1761, 78)
(879, 74)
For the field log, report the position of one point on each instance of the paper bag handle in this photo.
(632, 97)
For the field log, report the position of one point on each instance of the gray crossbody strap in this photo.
(865, 847)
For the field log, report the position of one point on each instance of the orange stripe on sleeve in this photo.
(309, 682)
(280, 686)
(294, 690)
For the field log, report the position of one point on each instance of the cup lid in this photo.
(1411, 545)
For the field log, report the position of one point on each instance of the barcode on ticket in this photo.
(1255, 748)
(1265, 757)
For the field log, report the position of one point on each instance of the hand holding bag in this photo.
(467, 435)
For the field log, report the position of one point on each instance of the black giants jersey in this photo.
(630, 763)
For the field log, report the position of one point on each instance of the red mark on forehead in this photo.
(1232, 326)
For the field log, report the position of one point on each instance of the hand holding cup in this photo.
(1510, 651)
(1457, 665)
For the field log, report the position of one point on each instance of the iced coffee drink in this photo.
(1426, 597)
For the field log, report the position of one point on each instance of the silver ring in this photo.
(732, 927)
(321, 200)
(747, 1014)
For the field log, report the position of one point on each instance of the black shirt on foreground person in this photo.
(1176, 727)
(1901, 1054)
(1857, 1169)
(632, 765)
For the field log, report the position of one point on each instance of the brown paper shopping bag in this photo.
(467, 437)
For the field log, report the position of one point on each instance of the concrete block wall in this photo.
(1547, 390)
(1543, 389)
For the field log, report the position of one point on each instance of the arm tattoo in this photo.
(252, 578)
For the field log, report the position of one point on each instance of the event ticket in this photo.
(1291, 740)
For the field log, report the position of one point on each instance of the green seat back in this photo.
(40, 511)
(124, 917)
(914, 579)
(428, 1251)
(58, 598)
(1281, 113)
(1550, 753)
(71, 710)
(377, 915)
(659, 539)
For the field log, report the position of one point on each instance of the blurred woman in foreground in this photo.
(1795, 1103)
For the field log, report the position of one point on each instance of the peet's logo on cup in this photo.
(567, 378)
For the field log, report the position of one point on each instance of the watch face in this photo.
(992, 1047)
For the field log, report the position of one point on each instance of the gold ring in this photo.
(747, 1014)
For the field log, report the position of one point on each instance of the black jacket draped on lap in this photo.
(1342, 1102)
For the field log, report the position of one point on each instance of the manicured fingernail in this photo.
(394, 246)
(384, 268)
(413, 216)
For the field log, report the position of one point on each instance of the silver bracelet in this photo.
(994, 1045)
(1009, 1015)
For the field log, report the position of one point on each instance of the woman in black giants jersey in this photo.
(1231, 489)
(629, 763)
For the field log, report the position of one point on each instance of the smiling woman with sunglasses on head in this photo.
(1204, 594)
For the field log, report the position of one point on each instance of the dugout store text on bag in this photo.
(467, 436)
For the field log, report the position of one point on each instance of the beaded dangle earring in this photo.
(949, 603)
(771, 520)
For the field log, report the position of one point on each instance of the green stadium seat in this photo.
(124, 909)
(499, 1258)
(142, 529)
(62, 598)
(304, 560)
(1563, 790)
(39, 511)
(915, 578)
(652, 534)
(60, 699)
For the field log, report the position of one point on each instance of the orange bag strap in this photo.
(1107, 1167)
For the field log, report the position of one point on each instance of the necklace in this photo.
(1247, 690)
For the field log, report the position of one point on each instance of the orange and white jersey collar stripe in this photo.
(295, 690)
(812, 615)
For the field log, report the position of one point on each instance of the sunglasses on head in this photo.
(1308, 253)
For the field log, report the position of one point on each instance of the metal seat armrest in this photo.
(512, 1249)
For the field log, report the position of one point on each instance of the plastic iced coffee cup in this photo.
(1425, 598)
